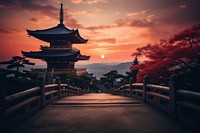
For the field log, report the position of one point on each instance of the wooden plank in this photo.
(159, 95)
(139, 85)
(21, 94)
(51, 92)
(127, 85)
(22, 104)
(137, 90)
(158, 87)
(189, 105)
(51, 86)
(189, 94)
(63, 89)
(64, 85)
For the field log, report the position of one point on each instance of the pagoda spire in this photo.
(61, 13)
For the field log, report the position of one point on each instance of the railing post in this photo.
(131, 81)
(43, 98)
(59, 87)
(2, 111)
(145, 82)
(67, 82)
(172, 95)
(124, 89)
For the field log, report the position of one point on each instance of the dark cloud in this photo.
(181, 12)
(9, 31)
(72, 23)
(41, 7)
(182, 16)
(125, 22)
(29, 5)
(135, 22)
(36, 20)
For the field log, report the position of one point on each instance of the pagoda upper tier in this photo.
(59, 32)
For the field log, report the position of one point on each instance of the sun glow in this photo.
(102, 56)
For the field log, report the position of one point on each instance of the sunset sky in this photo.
(114, 28)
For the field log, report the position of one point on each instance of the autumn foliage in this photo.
(179, 55)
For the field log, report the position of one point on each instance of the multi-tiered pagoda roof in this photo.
(60, 54)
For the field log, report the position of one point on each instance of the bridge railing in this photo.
(17, 107)
(175, 102)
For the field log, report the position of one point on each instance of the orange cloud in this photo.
(88, 1)
(10, 31)
(104, 40)
(130, 14)
(77, 1)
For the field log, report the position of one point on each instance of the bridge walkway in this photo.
(100, 113)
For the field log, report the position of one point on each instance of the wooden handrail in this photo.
(21, 104)
(137, 85)
(162, 97)
(21, 94)
(51, 86)
(189, 94)
(126, 85)
(158, 87)
(29, 101)
(64, 85)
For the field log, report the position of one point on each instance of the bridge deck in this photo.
(100, 113)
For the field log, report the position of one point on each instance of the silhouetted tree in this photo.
(17, 62)
(133, 72)
(80, 81)
(110, 77)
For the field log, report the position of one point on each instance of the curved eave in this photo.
(60, 28)
(43, 55)
(50, 37)
(73, 36)
(78, 36)
(83, 57)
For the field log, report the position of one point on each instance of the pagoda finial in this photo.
(61, 13)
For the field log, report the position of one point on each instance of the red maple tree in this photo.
(179, 55)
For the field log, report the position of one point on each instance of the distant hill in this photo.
(98, 69)
(122, 66)
(98, 66)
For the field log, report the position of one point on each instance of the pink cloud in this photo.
(35, 20)
(183, 6)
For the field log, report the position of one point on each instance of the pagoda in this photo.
(60, 56)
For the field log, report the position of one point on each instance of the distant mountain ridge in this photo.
(110, 66)
(125, 65)
(98, 69)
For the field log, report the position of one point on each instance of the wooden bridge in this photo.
(134, 107)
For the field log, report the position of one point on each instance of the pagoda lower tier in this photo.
(60, 61)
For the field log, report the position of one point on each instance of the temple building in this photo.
(60, 56)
